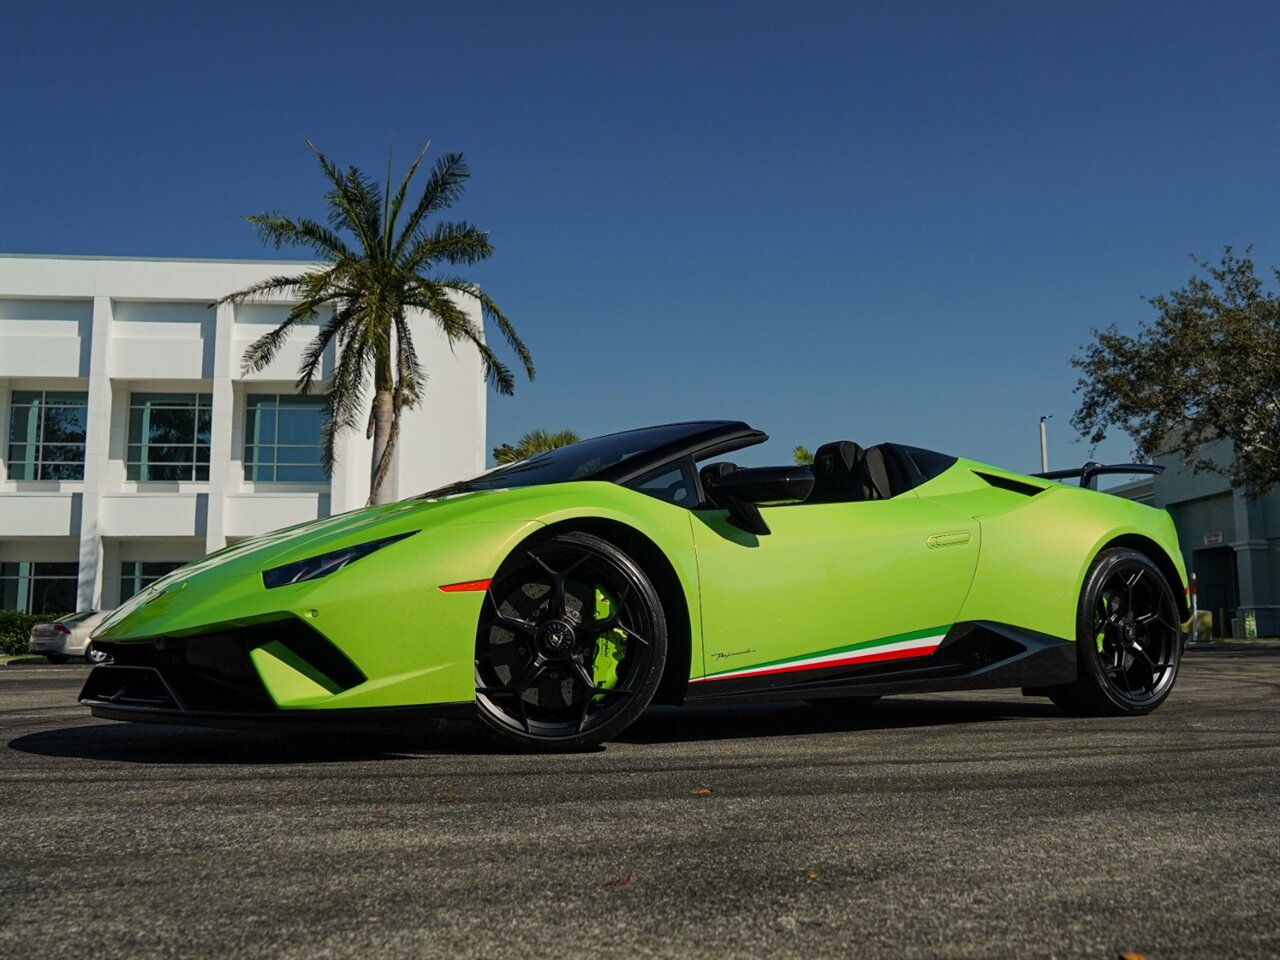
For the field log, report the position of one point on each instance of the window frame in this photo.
(31, 575)
(137, 470)
(39, 405)
(252, 448)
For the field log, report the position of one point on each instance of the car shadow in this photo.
(799, 718)
(178, 745)
(139, 743)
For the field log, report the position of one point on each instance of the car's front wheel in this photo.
(571, 645)
(1128, 640)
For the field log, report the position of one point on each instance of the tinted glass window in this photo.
(282, 439)
(168, 436)
(46, 435)
(38, 587)
(577, 461)
(673, 483)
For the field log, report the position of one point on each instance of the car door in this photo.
(832, 584)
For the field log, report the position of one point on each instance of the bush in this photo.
(15, 629)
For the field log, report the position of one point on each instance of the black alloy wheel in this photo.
(570, 647)
(1128, 638)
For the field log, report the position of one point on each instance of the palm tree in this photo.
(374, 271)
(535, 441)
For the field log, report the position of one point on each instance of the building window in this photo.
(282, 438)
(137, 575)
(168, 436)
(46, 435)
(39, 587)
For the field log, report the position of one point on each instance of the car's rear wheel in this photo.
(571, 645)
(95, 656)
(1128, 641)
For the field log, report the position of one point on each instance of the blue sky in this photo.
(864, 221)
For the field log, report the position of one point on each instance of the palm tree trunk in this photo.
(383, 446)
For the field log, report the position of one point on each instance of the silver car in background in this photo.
(68, 637)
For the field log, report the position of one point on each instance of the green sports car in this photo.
(555, 598)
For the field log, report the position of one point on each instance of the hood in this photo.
(249, 558)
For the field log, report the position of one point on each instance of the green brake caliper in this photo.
(611, 647)
(1102, 634)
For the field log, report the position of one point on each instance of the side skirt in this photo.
(975, 655)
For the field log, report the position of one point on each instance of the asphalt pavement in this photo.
(983, 825)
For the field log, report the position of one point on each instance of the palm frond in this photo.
(262, 351)
(491, 311)
(347, 208)
(278, 230)
(261, 289)
(342, 402)
(445, 185)
(364, 196)
(313, 356)
(393, 209)
(456, 324)
(450, 242)
(410, 373)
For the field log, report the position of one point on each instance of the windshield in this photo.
(577, 461)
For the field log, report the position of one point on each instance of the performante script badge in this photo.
(732, 653)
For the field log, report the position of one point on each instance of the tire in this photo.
(1128, 643)
(94, 656)
(55, 657)
(552, 674)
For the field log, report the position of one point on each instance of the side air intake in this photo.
(1008, 483)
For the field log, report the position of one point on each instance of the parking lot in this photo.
(936, 826)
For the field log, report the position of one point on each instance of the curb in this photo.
(22, 660)
(1237, 645)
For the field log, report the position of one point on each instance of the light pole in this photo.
(1044, 445)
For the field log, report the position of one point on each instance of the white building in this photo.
(134, 442)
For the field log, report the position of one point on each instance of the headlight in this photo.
(314, 568)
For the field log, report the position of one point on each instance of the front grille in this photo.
(211, 672)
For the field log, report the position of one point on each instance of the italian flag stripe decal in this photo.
(900, 647)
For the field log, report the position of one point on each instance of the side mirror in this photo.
(740, 491)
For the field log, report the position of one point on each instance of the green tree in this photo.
(375, 270)
(1207, 368)
(535, 441)
(802, 456)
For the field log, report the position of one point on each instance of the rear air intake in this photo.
(1008, 483)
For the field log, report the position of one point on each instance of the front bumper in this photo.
(151, 694)
(281, 673)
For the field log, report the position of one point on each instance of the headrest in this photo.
(839, 475)
(836, 459)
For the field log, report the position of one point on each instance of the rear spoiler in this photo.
(1090, 472)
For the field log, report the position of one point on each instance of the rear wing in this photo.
(1090, 472)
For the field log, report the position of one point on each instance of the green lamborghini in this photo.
(555, 598)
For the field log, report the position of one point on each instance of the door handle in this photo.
(953, 539)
